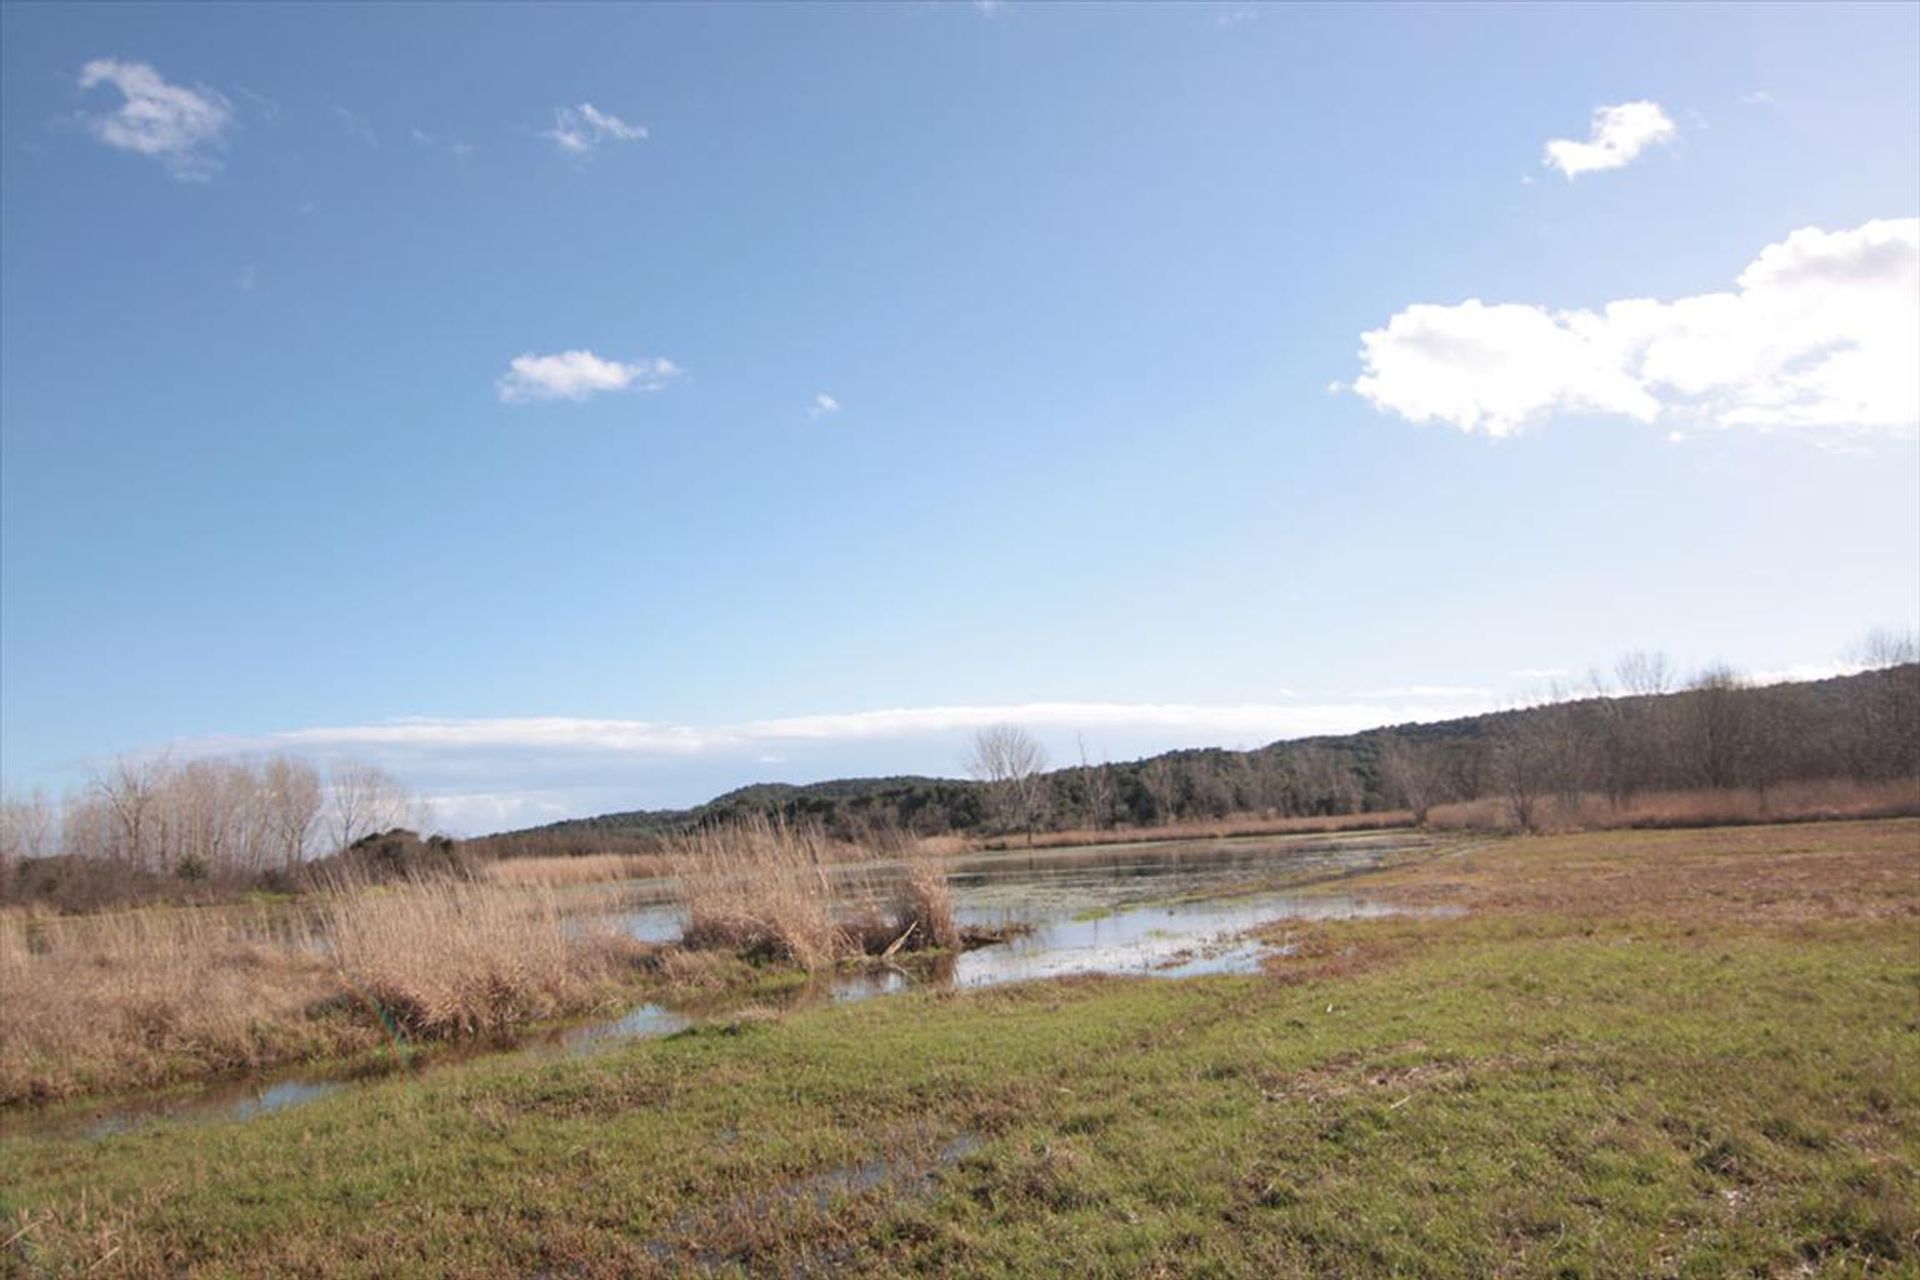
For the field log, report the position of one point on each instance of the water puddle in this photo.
(904, 1174)
(230, 1100)
(1127, 909)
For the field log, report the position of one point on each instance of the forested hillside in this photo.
(1718, 733)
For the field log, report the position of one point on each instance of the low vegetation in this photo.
(1648, 1053)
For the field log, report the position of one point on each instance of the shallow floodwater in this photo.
(1171, 909)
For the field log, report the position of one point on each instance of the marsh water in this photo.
(1167, 909)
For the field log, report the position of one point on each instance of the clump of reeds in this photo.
(773, 890)
(445, 958)
(758, 888)
(925, 904)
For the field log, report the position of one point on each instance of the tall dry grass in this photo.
(560, 871)
(775, 890)
(152, 995)
(451, 958)
(144, 996)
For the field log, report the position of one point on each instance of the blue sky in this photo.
(1106, 368)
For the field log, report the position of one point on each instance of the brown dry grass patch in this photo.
(1780, 874)
(1824, 800)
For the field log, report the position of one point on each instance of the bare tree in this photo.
(362, 800)
(1412, 774)
(1642, 673)
(1010, 761)
(1522, 750)
(1096, 785)
(1719, 729)
(1882, 736)
(26, 825)
(130, 793)
(292, 805)
(26, 831)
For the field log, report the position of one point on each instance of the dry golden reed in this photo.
(152, 995)
(783, 891)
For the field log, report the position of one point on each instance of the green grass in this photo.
(1516, 1092)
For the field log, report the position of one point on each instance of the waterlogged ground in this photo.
(1671, 1054)
(1169, 909)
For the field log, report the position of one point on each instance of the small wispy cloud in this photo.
(1540, 673)
(1758, 98)
(823, 404)
(1239, 15)
(580, 375)
(1619, 134)
(182, 128)
(433, 142)
(357, 125)
(247, 280)
(581, 130)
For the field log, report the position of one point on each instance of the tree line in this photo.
(205, 819)
(1636, 730)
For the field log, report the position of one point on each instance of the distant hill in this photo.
(1718, 733)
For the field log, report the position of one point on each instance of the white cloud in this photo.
(758, 739)
(580, 130)
(577, 375)
(823, 404)
(176, 125)
(1822, 331)
(1540, 673)
(1619, 134)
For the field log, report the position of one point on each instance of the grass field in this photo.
(1688, 1053)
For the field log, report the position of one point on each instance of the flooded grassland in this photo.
(1615, 1054)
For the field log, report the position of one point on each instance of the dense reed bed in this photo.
(149, 996)
(780, 891)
